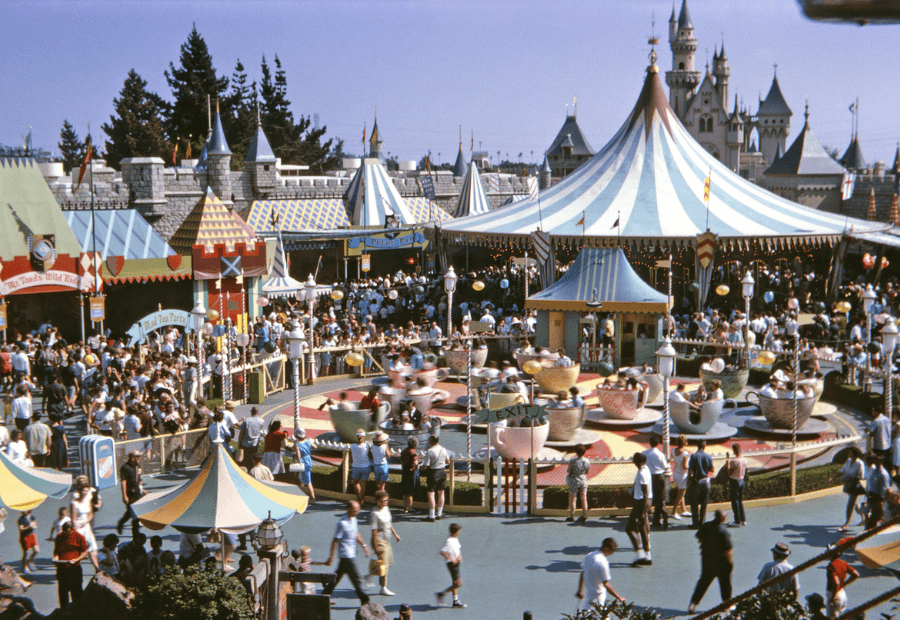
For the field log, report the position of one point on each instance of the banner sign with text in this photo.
(357, 245)
(164, 318)
(33, 279)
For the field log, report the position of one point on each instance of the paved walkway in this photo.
(517, 564)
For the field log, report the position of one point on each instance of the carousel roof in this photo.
(604, 276)
(472, 199)
(646, 186)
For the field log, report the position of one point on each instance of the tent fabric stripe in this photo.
(23, 488)
(650, 176)
(472, 199)
(605, 271)
(120, 232)
(372, 196)
(281, 283)
(221, 495)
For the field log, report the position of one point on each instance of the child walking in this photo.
(28, 540)
(452, 552)
(63, 517)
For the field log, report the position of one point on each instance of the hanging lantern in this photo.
(765, 357)
(695, 286)
(843, 306)
(504, 284)
(269, 535)
(90, 360)
(768, 297)
(207, 329)
(262, 302)
(605, 369)
(213, 314)
(418, 290)
(337, 294)
(354, 359)
(242, 340)
(393, 294)
(884, 263)
(532, 367)
(722, 290)
(478, 285)
(868, 260)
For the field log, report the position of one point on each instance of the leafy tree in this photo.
(241, 125)
(196, 593)
(191, 83)
(136, 130)
(70, 146)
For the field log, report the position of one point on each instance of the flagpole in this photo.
(94, 262)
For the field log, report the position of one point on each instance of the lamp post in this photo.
(269, 538)
(198, 316)
(665, 362)
(450, 288)
(295, 353)
(889, 336)
(311, 302)
(868, 300)
(747, 285)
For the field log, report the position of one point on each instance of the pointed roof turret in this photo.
(774, 102)
(202, 160)
(722, 55)
(372, 196)
(571, 131)
(568, 142)
(896, 167)
(472, 199)
(805, 156)
(853, 158)
(375, 138)
(546, 166)
(736, 115)
(260, 150)
(211, 223)
(217, 143)
(459, 168)
(684, 18)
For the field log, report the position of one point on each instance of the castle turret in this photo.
(773, 122)
(545, 174)
(853, 158)
(459, 168)
(682, 79)
(673, 26)
(721, 71)
(260, 163)
(218, 162)
(734, 137)
(375, 142)
(145, 178)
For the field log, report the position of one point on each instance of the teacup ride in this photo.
(622, 408)
(498, 400)
(654, 381)
(564, 423)
(690, 421)
(778, 414)
(816, 383)
(408, 376)
(733, 383)
(398, 437)
(426, 398)
(523, 358)
(457, 361)
(347, 421)
(518, 442)
(554, 379)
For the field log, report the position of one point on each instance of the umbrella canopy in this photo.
(24, 488)
(280, 283)
(220, 496)
(881, 550)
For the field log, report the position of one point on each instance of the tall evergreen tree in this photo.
(70, 147)
(241, 104)
(137, 128)
(191, 82)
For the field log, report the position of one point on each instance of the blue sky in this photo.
(503, 69)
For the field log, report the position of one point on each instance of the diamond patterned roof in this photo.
(210, 223)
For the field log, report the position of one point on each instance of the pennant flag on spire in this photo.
(364, 135)
(847, 185)
(175, 154)
(706, 185)
(84, 164)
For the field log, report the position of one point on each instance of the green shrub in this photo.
(195, 593)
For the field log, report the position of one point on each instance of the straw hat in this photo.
(380, 437)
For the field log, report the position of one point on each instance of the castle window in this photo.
(266, 167)
(681, 66)
(706, 124)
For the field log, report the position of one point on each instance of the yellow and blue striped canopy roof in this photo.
(297, 215)
(23, 488)
(221, 496)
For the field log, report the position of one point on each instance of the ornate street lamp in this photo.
(311, 302)
(450, 288)
(747, 285)
(889, 336)
(295, 353)
(665, 363)
(868, 300)
(198, 316)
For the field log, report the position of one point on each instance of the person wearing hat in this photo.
(361, 464)
(191, 376)
(779, 566)
(815, 605)
(380, 453)
(132, 490)
(838, 576)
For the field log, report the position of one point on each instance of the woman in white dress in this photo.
(81, 510)
(680, 475)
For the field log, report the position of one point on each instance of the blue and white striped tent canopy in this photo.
(120, 232)
(472, 199)
(371, 197)
(600, 275)
(650, 179)
(280, 284)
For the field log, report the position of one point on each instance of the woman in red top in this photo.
(5, 367)
(275, 439)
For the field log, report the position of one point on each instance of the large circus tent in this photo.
(646, 188)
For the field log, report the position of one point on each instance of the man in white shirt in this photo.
(659, 469)
(638, 527)
(595, 576)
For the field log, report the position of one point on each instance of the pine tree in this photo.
(70, 147)
(191, 82)
(137, 129)
(241, 104)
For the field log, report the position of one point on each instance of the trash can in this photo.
(257, 387)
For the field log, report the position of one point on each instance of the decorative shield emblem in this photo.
(115, 264)
(174, 261)
(43, 252)
(706, 248)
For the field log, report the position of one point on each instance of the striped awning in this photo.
(600, 275)
(221, 495)
(23, 488)
(371, 197)
(472, 199)
(119, 232)
(646, 186)
(280, 284)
